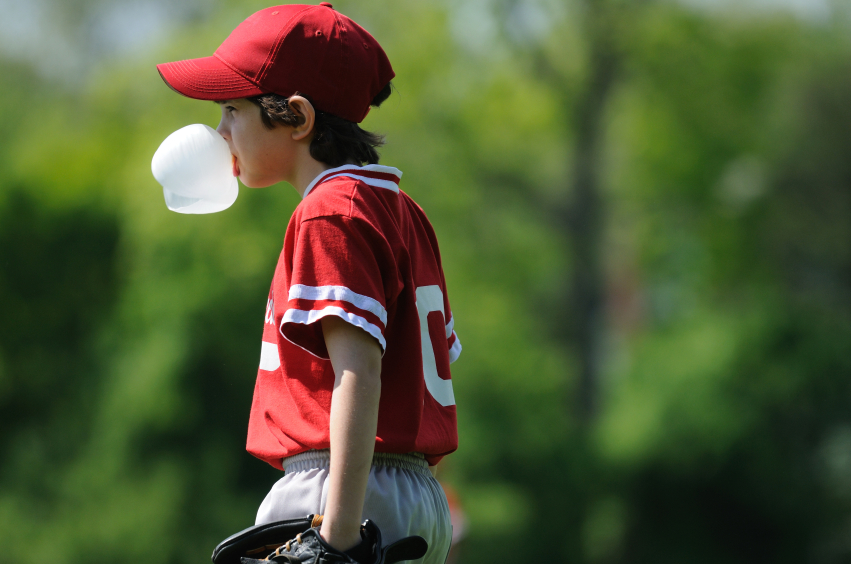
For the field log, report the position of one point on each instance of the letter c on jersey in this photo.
(430, 298)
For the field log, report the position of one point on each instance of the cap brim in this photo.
(207, 78)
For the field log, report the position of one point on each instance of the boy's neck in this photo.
(305, 174)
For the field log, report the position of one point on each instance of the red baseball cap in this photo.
(313, 50)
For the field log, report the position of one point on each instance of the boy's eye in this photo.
(230, 108)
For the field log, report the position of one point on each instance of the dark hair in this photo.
(336, 141)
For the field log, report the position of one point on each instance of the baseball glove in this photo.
(260, 540)
(264, 544)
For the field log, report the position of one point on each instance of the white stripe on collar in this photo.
(352, 170)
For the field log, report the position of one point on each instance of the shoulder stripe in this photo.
(339, 294)
(376, 182)
(374, 175)
(383, 169)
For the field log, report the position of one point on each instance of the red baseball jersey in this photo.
(359, 248)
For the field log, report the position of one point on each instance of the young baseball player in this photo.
(353, 399)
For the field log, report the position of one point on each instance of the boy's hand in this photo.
(356, 358)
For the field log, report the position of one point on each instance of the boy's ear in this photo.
(302, 107)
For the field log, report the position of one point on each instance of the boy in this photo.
(353, 398)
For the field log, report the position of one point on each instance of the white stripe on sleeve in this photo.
(307, 317)
(450, 326)
(455, 350)
(339, 294)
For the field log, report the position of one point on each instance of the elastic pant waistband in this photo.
(322, 459)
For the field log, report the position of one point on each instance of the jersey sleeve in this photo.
(340, 266)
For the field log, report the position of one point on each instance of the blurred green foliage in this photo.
(129, 339)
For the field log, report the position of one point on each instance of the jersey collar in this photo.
(375, 175)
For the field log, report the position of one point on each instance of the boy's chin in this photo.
(249, 182)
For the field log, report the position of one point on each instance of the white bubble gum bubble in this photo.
(195, 168)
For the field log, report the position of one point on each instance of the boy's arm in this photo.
(356, 358)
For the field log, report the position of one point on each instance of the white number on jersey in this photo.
(430, 298)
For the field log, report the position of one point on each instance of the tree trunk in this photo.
(583, 219)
